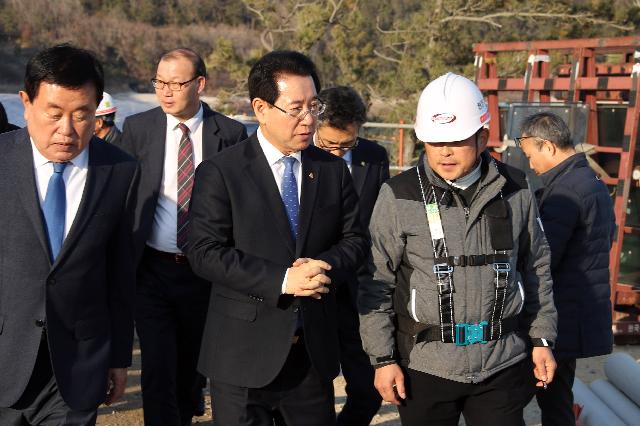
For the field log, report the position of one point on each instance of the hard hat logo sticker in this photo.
(443, 118)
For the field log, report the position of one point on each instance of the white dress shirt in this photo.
(274, 158)
(74, 176)
(165, 220)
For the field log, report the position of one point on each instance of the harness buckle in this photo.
(469, 334)
(442, 270)
(502, 273)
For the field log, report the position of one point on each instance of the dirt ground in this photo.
(128, 412)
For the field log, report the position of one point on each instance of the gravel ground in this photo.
(128, 412)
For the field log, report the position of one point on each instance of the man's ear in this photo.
(550, 147)
(483, 139)
(202, 82)
(26, 103)
(260, 107)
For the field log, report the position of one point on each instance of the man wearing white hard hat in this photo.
(458, 317)
(105, 120)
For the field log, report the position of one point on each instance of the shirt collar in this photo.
(80, 161)
(193, 123)
(563, 167)
(271, 152)
(348, 157)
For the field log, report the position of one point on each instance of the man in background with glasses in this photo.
(368, 163)
(578, 219)
(171, 301)
(274, 226)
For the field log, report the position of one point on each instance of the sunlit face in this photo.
(61, 120)
(288, 134)
(184, 103)
(539, 152)
(453, 160)
(337, 141)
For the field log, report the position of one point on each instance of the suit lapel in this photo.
(260, 174)
(210, 138)
(97, 177)
(359, 169)
(26, 186)
(310, 181)
(154, 150)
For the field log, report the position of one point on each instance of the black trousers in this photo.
(41, 402)
(298, 396)
(171, 308)
(499, 400)
(363, 400)
(556, 403)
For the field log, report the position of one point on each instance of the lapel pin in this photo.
(310, 175)
(362, 163)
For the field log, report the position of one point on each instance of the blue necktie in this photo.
(290, 200)
(54, 209)
(290, 194)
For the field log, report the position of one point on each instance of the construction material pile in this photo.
(611, 402)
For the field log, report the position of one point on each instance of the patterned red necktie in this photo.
(185, 184)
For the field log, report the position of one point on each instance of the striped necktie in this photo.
(185, 184)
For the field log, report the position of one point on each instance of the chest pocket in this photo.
(500, 226)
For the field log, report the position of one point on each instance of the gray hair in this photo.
(549, 126)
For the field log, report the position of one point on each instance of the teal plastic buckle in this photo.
(469, 334)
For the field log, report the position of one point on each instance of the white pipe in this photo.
(624, 373)
(617, 401)
(594, 411)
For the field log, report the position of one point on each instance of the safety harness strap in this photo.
(473, 259)
(465, 336)
(501, 237)
(442, 271)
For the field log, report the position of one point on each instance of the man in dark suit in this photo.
(66, 299)
(171, 302)
(273, 221)
(368, 162)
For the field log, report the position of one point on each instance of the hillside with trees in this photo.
(388, 50)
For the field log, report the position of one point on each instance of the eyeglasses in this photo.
(174, 86)
(344, 146)
(519, 140)
(299, 114)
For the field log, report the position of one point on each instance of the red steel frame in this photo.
(586, 81)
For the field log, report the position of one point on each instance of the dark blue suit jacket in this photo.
(369, 169)
(85, 296)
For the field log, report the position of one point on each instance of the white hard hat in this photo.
(451, 108)
(106, 105)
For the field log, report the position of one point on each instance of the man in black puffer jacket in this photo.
(577, 214)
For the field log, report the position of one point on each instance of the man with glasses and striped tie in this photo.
(273, 225)
(171, 302)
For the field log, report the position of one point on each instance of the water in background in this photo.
(127, 103)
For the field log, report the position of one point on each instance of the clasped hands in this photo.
(307, 277)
